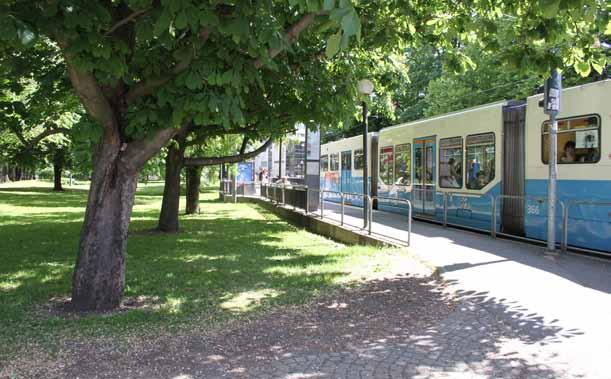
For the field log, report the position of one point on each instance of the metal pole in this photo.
(551, 191)
(445, 210)
(409, 223)
(551, 106)
(322, 203)
(365, 164)
(307, 203)
(493, 210)
(305, 159)
(565, 227)
(342, 197)
(234, 189)
(280, 159)
(370, 214)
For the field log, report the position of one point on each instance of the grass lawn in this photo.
(228, 263)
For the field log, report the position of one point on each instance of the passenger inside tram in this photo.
(569, 155)
(452, 180)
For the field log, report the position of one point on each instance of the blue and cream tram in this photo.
(463, 166)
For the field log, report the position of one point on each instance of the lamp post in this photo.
(365, 88)
(551, 107)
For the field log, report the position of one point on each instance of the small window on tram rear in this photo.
(578, 140)
(334, 162)
(359, 159)
(324, 163)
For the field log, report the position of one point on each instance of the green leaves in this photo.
(333, 44)
(16, 32)
(583, 68)
(349, 24)
(598, 67)
(549, 8)
(181, 20)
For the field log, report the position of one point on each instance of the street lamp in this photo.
(365, 87)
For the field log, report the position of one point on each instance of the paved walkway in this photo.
(520, 313)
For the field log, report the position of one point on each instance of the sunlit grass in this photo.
(232, 260)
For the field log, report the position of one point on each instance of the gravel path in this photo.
(405, 326)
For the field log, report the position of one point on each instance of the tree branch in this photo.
(89, 91)
(127, 19)
(244, 144)
(210, 161)
(19, 135)
(137, 153)
(49, 132)
(146, 87)
(219, 131)
(291, 35)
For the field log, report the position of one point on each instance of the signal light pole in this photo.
(551, 107)
(365, 88)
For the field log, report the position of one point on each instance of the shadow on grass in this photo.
(228, 261)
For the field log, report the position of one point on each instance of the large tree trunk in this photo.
(57, 177)
(168, 217)
(193, 183)
(99, 275)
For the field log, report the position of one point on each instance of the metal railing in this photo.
(536, 198)
(445, 196)
(368, 201)
(409, 214)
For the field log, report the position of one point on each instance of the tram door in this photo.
(346, 173)
(424, 176)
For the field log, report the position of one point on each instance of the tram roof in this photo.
(500, 103)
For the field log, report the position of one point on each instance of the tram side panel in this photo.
(455, 156)
(341, 170)
(584, 167)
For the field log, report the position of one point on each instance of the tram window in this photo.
(386, 165)
(450, 162)
(334, 162)
(346, 160)
(578, 140)
(358, 159)
(480, 160)
(403, 164)
(324, 163)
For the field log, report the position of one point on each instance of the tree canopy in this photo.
(145, 69)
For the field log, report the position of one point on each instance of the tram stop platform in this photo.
(556, 309)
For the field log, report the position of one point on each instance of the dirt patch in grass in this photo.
(61, 307)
